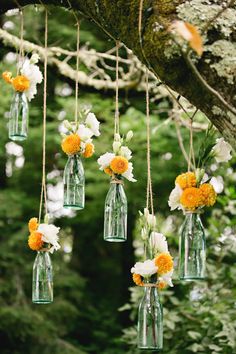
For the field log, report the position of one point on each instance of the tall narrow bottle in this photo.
(115, 214)
(150, 321)
(19, 117)
(42, 291)
(192, 248)
(74, 183)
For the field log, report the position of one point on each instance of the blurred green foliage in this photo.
(92, 277)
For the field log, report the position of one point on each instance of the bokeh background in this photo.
(95, 306)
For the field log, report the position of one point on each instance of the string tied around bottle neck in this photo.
(117, 181)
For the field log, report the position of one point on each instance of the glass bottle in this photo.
(19, 117)
(42, 292)
(115, 214)
(150, 321)
(74, 183)
(192, 248)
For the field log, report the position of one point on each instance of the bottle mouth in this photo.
(193, 211)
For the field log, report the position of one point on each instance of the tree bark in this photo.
(119, 18)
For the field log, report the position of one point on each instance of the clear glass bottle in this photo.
(19, 117)
(115, 214)
(42, 292)
(74, 183)
(192, 248)
(150, 321)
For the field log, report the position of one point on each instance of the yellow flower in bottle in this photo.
(191, 198)
(35, 241)
(137, 279)
(71, 144)
(108, 171)
(7, 76)
(20, 83)
(33, 224)
(89, 150)
(186, 180)
(119, 165)
(162, 285)
(164, 262)
(208, 194)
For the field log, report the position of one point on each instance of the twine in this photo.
(191, 156)
(150, 285)
(21, 47)
(117, 115)
(43, 187)
(117, 181)
(149, 196)
(44, 250)
(77, 72)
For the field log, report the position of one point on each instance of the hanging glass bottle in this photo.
(74, 183)
(19, 116)
(150, 321)
(42, 292)
(192, 248)
(115, 215)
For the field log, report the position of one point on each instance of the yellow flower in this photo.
(108, 171)
(164, 262)
(33, 224)
(137, 279)
(20, 83)
(162, 285)
(89, 150)
(7, 76)
(191, 198)
(186, 180)
(119, 165)
(71, 144)
(208, 194)
(35, 241)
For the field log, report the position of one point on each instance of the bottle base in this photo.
(114, 239)
(150, 348)
(17, 137)
(42, 302)
(73, 207)
(189, 278)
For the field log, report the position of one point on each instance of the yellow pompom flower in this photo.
(71, 144)
(119, 165)
(137, 279)
(108, 171)
(162, 285)
(186, 180)
(35, 241)
(164, 262)
(20, 83)
(208, 194)
(89, 150)
(191, 198)
(7, 76)
(33, 224)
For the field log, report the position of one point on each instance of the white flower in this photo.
(158, 243)
(218, 184)
(50, 235)
(34, 58)
(167, 278)
(116, 146)
(174, 198)
(84, 133)
(221, 151)
(92, 123)
(145, 269)
(105, 160)
(34, 76)
(129, 173)
(117, 137)
(151, 219)
(129, 135)
(125, 152)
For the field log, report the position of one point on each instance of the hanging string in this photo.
(149, 177)
(117, 115)
(77, 72)
(21, 47)
(43, 187)
(191, 157)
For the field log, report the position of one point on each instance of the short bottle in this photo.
(19, 117)
(150, 321)
(42, 292)
(74, 183)
(115, 213)
(192, 248)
